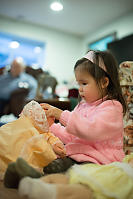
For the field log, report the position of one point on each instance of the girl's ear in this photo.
(105, 82)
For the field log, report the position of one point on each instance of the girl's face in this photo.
(88, 89)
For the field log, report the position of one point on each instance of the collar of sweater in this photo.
(95, 103)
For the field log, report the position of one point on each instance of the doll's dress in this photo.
(27, 137)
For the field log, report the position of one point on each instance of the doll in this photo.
(29, 137)
(36, 113)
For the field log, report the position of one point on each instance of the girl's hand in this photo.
(45, 106)
(59, 149)
(51, 111)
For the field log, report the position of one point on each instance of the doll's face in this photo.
(34, 111)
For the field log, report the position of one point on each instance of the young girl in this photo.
(93, 131)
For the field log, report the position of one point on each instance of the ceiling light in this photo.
(14, 44)
(56, 6)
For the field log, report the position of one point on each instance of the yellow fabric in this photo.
(106, 181)
(21, 138)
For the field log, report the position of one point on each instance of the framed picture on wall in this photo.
(102, 43)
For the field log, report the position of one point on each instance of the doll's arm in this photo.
(56, 144)
(59, 150)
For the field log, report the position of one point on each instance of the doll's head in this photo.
(35, 112)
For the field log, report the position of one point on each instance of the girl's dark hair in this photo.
(114, 90)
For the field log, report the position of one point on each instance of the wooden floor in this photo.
(9, 193)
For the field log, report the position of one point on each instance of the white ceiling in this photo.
(79, 17)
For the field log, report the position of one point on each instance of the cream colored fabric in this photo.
(29, 137)
(21, 138)
(112, 181)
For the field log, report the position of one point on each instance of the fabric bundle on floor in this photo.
(27, 137)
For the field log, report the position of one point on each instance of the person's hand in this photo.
(59, 149)
(51, 111)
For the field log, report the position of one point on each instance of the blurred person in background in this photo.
(14, 79)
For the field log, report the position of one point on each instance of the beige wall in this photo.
(62, 49)
(122, 26)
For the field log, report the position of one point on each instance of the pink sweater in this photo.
(92, 132)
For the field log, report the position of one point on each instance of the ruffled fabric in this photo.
(112, 181)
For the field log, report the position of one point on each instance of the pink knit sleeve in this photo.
(60, 131)
(65, 117)
(105, 123)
